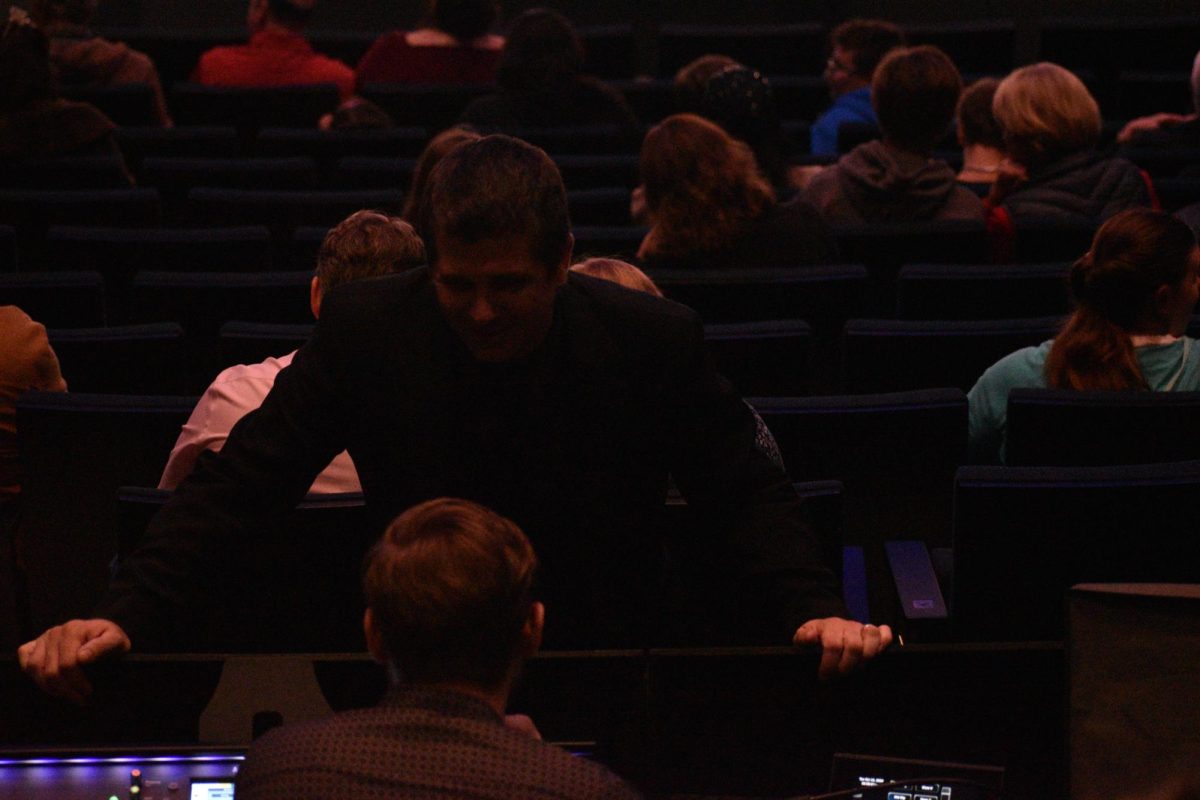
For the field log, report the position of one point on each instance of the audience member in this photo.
(34, 121)
(364, 245)
(709, 207)
(689, 82)
(437, 149)
(1136, 290)
(980, 136)
(541, 84)
(742, 102)
(1051, 125)
(276, 55)
(496, 374)
(617, 271)
(453, 46)
(1166, 129)
(856, 48)
(451, 610)
(896, 179)
(357, 114)
(26, 362)
(83, 59)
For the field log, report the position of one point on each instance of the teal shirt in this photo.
(1024, 369)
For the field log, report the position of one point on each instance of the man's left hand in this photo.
(844, 643)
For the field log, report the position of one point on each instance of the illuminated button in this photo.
(134, 791)
(113, 797)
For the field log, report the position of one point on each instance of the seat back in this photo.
(65, 172)
(1040, 241)
(895, 455)
(1069, 428)
(1024, 535)
(249, 109)
(283, 211)
(175, 177)
(76, 450)
(200, 141)
(252, 342)
(127, 104)
(887, 355)
(608, 241)
(606, 206)
(8, 248)
(293, 588)
(701, 603)
(120, 253)
(769, 358)
(824, 296)
(432, 107)
(32, 211)
(981, 291)
(129, 359)
(780, 49)
(56, 299)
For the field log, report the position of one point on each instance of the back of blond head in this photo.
(1045, 111)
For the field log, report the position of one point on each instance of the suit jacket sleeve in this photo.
(732, 482)
(264, 469)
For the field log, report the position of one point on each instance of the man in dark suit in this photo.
(562, 402)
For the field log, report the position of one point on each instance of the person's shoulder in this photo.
(1020, 369)
(561, 774)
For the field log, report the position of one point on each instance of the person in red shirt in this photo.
(276, 55)
(453, 46)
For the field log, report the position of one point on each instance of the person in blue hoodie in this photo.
(856, 48)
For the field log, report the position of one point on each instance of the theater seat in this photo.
(82, 447)
(128, 359)
(65, 172)
(200, 141)
(62, 299)
(1024, 535)
(32, 211)
(283, 211)
(824, 295)
(763, 358)
(982, 291)
(249, 109)
(127, 104)
(8, 249)
(888, 355)
(290, 588)
(252, 342)
(1069, 428)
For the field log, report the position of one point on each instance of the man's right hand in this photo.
(55, 659)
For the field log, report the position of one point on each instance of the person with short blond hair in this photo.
(366, 244)
(617, 271)
(1051, 125)
(451, 609)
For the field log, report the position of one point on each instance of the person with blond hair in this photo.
(1136, 289)
(1051, 126)
(619, 272)
(710, 207)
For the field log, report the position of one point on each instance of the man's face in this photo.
(839, 72)
(496, 297)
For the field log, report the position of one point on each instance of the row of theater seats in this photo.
(1107, 47)
(770, 357)
(1002, 542)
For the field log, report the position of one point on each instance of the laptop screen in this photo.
(931, 780)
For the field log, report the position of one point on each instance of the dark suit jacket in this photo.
(575, 445)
